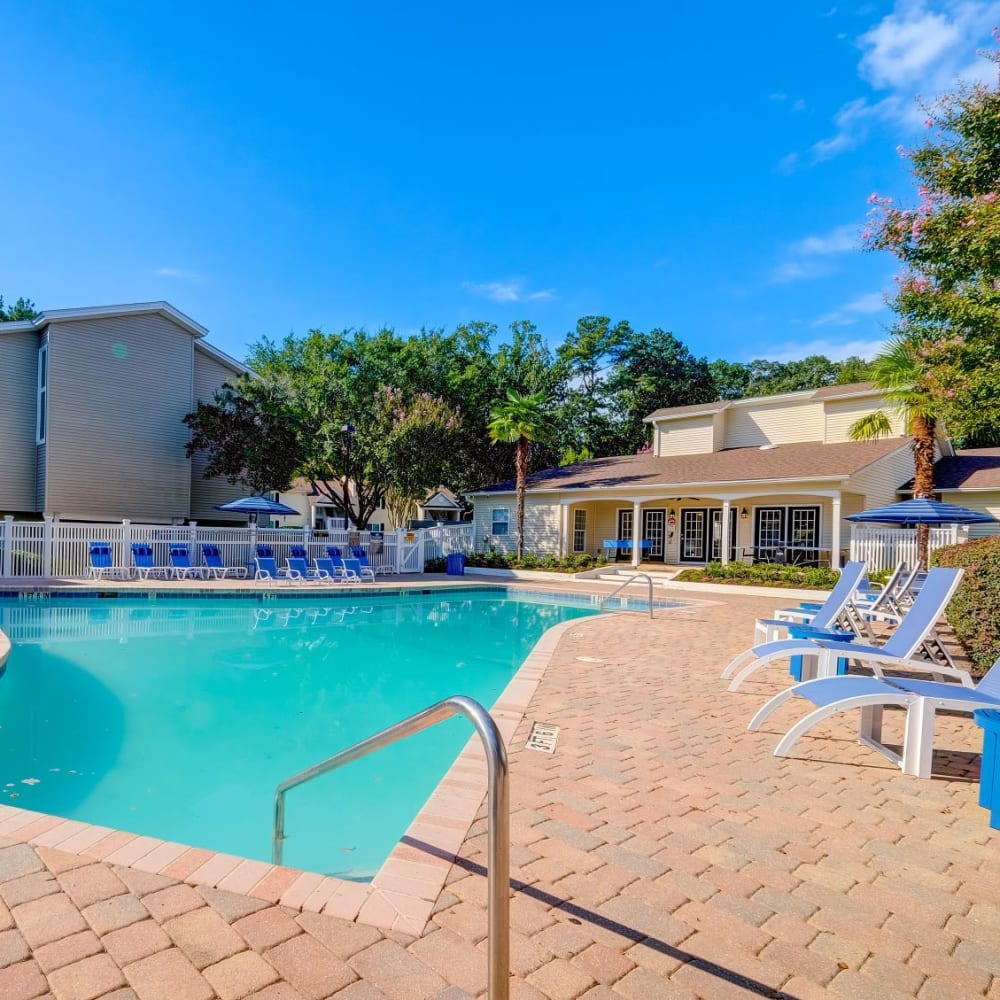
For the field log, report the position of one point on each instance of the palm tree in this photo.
(519, 420)
(902, 376)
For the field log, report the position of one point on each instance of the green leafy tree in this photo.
(653, 370)
(948, 298)
(22, 309)
(250, 433)
(520, 420)
(901, 373)
(586, 356)
(416, 432)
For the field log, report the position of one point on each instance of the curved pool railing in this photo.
(498, 814)
(4, 650)
(630, 580)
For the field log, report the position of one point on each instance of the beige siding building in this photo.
(767, 478)
(92, 403)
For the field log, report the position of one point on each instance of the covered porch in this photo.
(800, 527)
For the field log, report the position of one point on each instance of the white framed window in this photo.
(579, 531)
(41, 415)
(500, 521)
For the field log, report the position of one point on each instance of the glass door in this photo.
(694, 524)
(625, 522)
(717, 533)
(653, 530)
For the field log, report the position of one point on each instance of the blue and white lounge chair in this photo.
(827, 615)
(362, 557)
(101, 561)
(143, 564)
(328, 572)
(215, 567)
(898, 650)
(267, 569)
(180, 564)
(362, 572)
(921, 699)
(298, 570)
(350, 573)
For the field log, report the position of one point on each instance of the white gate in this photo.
(883, 548)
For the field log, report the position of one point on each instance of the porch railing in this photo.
(49, 547)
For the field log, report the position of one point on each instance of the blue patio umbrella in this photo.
(921, 510)
(252, 506)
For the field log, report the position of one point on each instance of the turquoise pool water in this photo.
(176, 718)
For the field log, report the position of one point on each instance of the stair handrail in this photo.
(497, 815)
(624, 584)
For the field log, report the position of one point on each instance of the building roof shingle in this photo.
(805, 460)
(971, 469)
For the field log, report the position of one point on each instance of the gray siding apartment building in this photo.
(92, 403)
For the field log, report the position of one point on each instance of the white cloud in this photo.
(918, 51)
(176, 272)
(810, 256)
(787, 164)
(850, 312)
(835, 350)
(512, 290)
(839, 240)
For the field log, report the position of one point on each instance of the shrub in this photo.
(762, 575)
(503, 560)
(974, 612)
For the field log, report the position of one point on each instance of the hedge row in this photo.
(505, 560)
(762, 575)
(974, 612)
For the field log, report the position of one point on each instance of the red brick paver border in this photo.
(660, 852)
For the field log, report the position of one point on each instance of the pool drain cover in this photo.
(543, 737)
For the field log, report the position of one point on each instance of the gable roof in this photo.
(810, 460)
(970, 469)
(105, 312)
(824, 392)
(441, 499)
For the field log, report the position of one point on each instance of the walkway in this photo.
(661, 852)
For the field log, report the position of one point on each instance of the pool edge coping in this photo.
(402, 894)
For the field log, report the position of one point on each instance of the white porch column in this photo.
(636, 534)
(835, 532)
(724, 544)
(564, 529)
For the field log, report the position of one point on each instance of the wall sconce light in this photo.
(670, 513)
(744, 513)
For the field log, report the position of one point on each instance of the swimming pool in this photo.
(176, 718)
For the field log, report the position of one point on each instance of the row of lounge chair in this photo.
(334, 568)
(297, 568)
(825, 639)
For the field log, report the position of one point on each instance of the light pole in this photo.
(348, 434)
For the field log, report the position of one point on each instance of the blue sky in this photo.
(270, 168)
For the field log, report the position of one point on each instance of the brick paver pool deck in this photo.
(661, 852)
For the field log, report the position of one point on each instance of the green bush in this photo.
(762, 575)
(974, 612)
(531, 560)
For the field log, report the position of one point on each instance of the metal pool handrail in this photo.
(622, 586)
(498, 815)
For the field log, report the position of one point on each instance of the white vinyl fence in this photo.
(882, 548)
(52, 548)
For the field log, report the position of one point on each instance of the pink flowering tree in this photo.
(948, 297)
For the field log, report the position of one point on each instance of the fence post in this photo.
(8, 546)
(47, 546)
(306, 537)
(126, 542)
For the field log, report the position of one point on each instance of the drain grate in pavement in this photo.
(543, 737)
